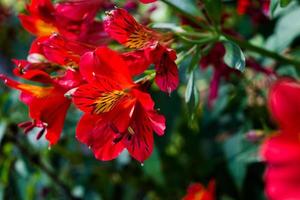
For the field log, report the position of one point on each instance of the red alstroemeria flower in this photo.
(151, 45)
(197, 191)
(47, 105)
(52, 54)
(73, 19)
(53, 61)
(282, 151)
(118, 114)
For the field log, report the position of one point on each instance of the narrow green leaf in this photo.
(195, 60)
(214, 9)
(234, 56)
(273, 6)
(189, 88)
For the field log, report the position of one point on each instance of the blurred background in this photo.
(202, 143)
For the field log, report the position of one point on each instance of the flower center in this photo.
(107, 101)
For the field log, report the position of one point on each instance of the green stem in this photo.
(244, 44)
(250, 47)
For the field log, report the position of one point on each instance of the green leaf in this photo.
(214, 9)
(189, 88)
(234, 56)
(284, 3)
(239, 154)
(195, 60)
(286, 31)
(273, 6)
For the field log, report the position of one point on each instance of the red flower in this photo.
(53, 61)
(147, 1)
(47, 105)
(53, 54)
(151, 46)
(73, 19)
(118, 114)
(197, 191)
(257, 9)
(282, 151)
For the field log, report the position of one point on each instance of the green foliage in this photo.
(234, 56)
(284, 3)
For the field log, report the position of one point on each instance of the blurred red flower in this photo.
(147, 1)
(118, 114)
(73, 19)
(197, 191)
(258, 10)
(282, 151)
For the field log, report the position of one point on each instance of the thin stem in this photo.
(185, 54)
(250, 47)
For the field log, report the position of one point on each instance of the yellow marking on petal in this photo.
(36, 91)
(199, 195)
(140, 38)
(130, 130)
(108, 101)
(45, 29)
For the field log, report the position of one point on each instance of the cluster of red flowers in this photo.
(69, 61)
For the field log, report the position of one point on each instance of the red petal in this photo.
(158, 122)
(282, 148)
(121, 26)
(42, 8)
(284, 98)
(140, 143)
(52, 110)
(96, 133)
(58, 49)
(144, 98)
(86, 95)
(166, 72)
(78, 10)
(282, 154)
(136, 61)
(107, 63)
